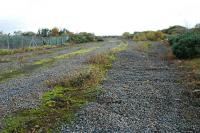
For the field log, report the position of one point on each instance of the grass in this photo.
(64, 56)
(43, 62)
(10, 74)
(144, 47)
(22, 71)
(193, 66)
(75, 53)
(120, 47)
(23, 50)
(3, 60)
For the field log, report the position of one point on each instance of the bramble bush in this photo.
(186, 45)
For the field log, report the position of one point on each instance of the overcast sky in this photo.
(102, 17)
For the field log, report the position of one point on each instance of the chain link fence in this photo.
(19, 41)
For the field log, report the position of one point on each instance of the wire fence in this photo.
(19, 41)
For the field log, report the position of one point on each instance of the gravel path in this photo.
(25, 91)
(143, 94)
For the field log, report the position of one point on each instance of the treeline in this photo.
(44, 32)
(81, 37)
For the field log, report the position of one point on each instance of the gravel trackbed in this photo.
(142, 94)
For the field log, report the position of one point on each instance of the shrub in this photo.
(139, 37)
(83, 38)
(186, 45)
(172, 39)
(127, 35)
(149, 35)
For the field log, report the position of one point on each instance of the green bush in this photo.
(186, 45)
(172, 39)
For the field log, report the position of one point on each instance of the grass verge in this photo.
(68, 94)
(23, 50)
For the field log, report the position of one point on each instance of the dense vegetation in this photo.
(149, 36)
(145, 36)
(84, 37)
(186, 45)
(185, 42)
